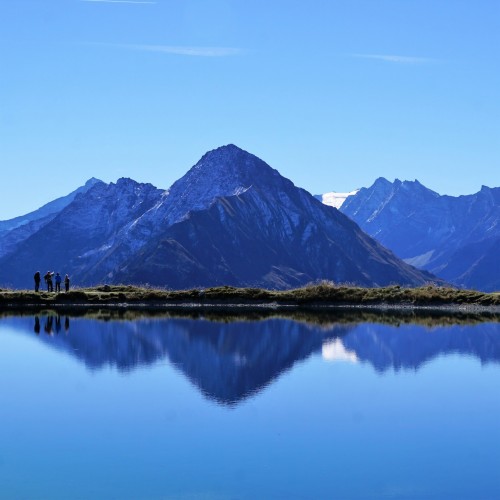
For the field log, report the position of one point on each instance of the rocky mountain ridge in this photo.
(455, 238)
(14, 231)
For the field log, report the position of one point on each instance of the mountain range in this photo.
(230, 220)
(455, 238)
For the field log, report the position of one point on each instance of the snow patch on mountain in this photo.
(420, 260)
(334, 199)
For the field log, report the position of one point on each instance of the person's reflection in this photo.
(36, 328)
(66, 324)
(48, 325)
(58, 324)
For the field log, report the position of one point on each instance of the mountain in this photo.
(77, 238)
(456, 238)
(14, 231)
(231, 219)
(252, 227)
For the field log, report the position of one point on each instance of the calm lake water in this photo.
(274, 408)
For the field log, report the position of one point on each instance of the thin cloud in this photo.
(144, 2)
(396, 59)
(187, 51)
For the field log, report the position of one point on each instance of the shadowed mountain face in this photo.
(231, 219)
(456, 238)
(271, 236)
(229, 362)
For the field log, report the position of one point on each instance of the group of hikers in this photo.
(50, 284)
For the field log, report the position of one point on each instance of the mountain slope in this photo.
(248, 240)
(14, 231)
(231, 219)
(79, 236)
(448, 236)
(260, 230)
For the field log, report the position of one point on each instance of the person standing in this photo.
(37, 277)
(66, 283)
(58, 282)
(48, 280)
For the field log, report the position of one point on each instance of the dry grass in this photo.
(324, 293)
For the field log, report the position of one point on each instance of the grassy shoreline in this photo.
(317, 296)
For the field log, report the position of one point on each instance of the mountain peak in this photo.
(126, 180)
(228, 148)
(228, 169)
(225, 171)
(382, 181)
(224, 152)
(91, 182)
(229, 157)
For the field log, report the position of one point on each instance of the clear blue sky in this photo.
(331, 93)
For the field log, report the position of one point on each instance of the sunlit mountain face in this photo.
(454, 237)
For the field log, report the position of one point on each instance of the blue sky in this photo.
(331, 93)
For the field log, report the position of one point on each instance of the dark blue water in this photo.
(195, 409)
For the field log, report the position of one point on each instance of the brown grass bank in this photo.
(322, 295)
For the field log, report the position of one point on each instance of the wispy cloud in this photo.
(186, 51)
(396, 59)
(145, 2)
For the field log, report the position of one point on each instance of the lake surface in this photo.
(228, 409)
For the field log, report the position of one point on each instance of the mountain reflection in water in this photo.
(229, 361)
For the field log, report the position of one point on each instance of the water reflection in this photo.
(51, 324)
(232, 359)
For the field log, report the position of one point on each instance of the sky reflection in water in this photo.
(182, 408)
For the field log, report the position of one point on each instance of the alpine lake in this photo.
(124, 405)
